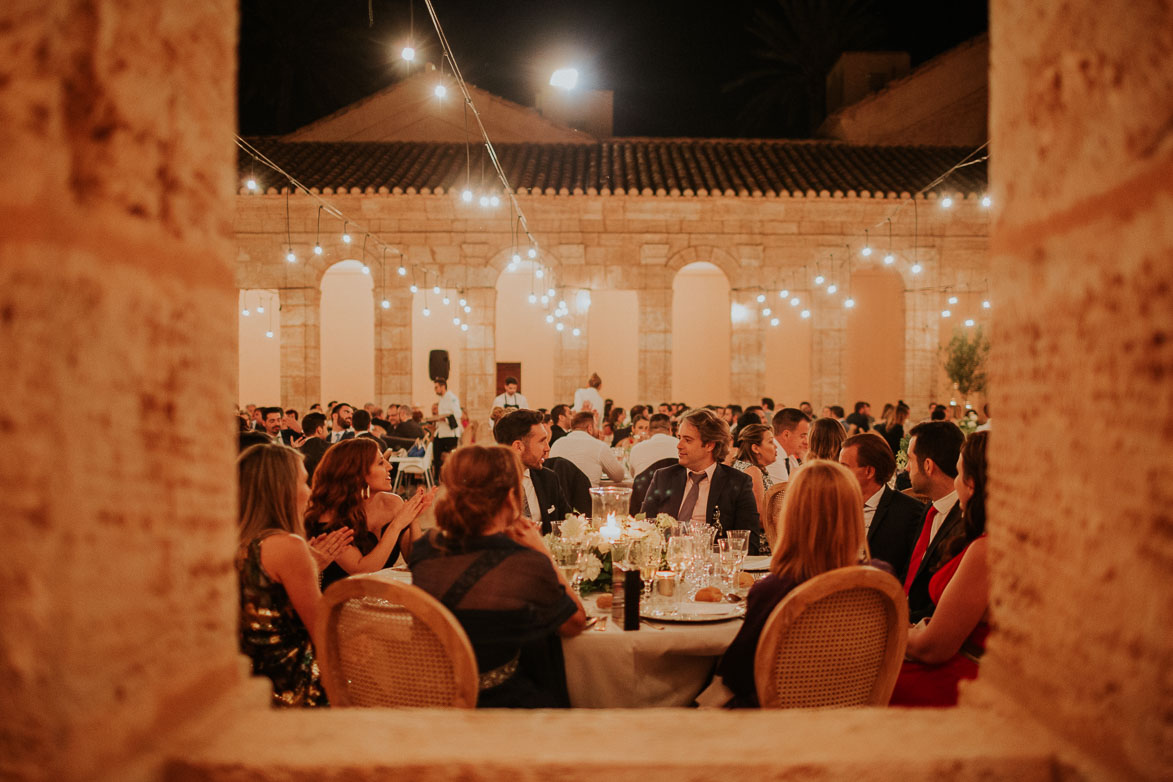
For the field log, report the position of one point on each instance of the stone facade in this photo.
(628, 242)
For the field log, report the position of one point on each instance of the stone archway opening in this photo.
(874, 348)
(347, 334)
(701, 332)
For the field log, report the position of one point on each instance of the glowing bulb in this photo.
(545, 300)
(269, 334)
(945, 313)
(849, 303)
(916, 268)
(467, 309)
(436, 289)
(761, 298)
(986, 201)
(346, 238)
(317, 249)
(516, 258)
(774, 321)
(366, 269)
(866, 251)
(440, 91)
(549, 318)
(494, 201)
(794, 302)
(782, 294)
(466, 196)
(260, 310)
(415, 288)
(969, 322)
(832, 288)
(245, 313)
(464, 327)
(290, 256)
(805, 313)
(484, 201)
(820, 280)
(539, 273)
(576, 332)
(463, 302)
(533, 298)
(532, 253)
(946, 202)
(559, 326)
(402, 271)
(386, 304)
(427, 312)
(562, 304)
(551, 293)
(408, 53)
(446, 300)
(456, 321)
(952, 299)
(251, 184)
(564, 78)
(766, 312)
(889, 259)
(986, 304)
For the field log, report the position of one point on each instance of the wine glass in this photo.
(570, 559)
(679, 555)
(739, 543)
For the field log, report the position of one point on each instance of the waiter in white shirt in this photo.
(511, 400)
(590, 397)
(588, 454)
(792, 434)
(446, 414)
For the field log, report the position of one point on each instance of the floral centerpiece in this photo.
(598, 540)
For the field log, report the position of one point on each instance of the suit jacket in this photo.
(372, 436)
(643, 481)
(313, 448)
(920, 604)
(554, 506)
(895, 527)
(289, 435)
(556, 432)
(576, 486)
(731, 501)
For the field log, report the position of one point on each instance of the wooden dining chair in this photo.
(390, 644)
(772, 520)
(835, 641)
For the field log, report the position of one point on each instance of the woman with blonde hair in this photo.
(826, 439)
(352, 488)
(488, 565)
(821, 530)
(278, 573)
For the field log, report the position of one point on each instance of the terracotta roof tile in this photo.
(657, 166)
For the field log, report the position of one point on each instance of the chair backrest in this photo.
(772, 519)
(393, 645)
(642, 482)
(576, 486)
(837, 640)
(421, 464)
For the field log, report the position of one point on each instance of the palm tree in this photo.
(798, 42)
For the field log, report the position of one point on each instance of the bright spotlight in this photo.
(408, 53)
(440, 91)
(564, 78)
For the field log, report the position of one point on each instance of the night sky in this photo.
(722, 68)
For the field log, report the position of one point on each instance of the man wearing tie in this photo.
(933, 450)
(700, 488)
(792, 435)
(341, 415)
(525, 432)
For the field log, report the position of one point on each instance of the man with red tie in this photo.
(933, 450)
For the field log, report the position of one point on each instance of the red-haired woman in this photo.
(488, 565)
(352, 488)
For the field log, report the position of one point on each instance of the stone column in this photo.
(301, 358)
(655, 344)
(828, 344)
(922, 321)
(478, 366)
(571, 369)
(392, 345)
(747, 357)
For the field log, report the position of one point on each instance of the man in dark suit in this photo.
(525, 432)
(699, 488)
(316, 444)
(341, 415)
(933, 450)
(362, 428)
(559, 422)
(893, 519)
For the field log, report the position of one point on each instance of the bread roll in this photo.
(744, 580)
(708, 595)
(604, 601)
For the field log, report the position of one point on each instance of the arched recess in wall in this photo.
(524, 337)
(259, 342)
(788, 350)
(873, 360)
(348, 334)
(439, 329)
(613, 349)
(700, 335)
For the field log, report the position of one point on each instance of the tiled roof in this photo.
(664, 167)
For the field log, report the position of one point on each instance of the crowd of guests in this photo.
(816, 493)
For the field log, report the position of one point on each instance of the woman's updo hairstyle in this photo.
(478, 481)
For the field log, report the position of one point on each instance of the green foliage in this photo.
(965, 360)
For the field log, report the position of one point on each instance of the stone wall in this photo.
(117, 602)
(622, 243)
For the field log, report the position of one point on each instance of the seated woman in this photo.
(822, 529)
(352, 488)
(278, 574)
(636, 434)
(488, 565)
(826, 439)
(756, 450)
(945, 648)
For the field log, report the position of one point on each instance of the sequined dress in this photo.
(272, 634)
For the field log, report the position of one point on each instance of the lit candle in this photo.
(611, 530)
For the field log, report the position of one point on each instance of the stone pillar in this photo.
(392, 345)
(655, 344)
(478, 366)
(301, 356)
(571, 369)
(922, 322)
(828, 346)
(747, 355)
(117, 320)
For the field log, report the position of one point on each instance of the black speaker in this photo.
(438, 364)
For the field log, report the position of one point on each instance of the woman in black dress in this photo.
(352, 488)
(487, 564)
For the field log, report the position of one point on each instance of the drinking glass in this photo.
(570, 559)
(739, 542)
(679, 557)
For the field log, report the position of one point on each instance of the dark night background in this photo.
(723, 68)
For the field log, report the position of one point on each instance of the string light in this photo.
(414, 288)
(245, 312)
(849, 303)
(463, 302)
(436, 289)
(987, 201)
(986, 304)
(774, 321)
(386, 304)
(402, 270)
(440, 91)
(946, 313)
(832, 288)
(533, 298)
(467, 309)
(946, 202)
(427, 312)
(260, 309)
(456, 321)
(889, 259)
(289, 256)
(969, 322)
(551, 293)
(317, 249)
(782, 294)
(559, 325)
(251, 184)
(766, 312)
(794, 302)
(408, 53)
(345, 234)
(761, 298)
(549, 318)
(466, 196)
(952, 299)
(576, 332)
(494, 201)
(532, 253)
(269, 334)
(819, 280)
(867, 249)
(545, 300)
(464, 327)
(539, 272)
(805, 314)
(446, 301)
(484, 201)
(916, 268)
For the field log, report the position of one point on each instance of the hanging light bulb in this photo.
(260, 309)
(986, 304)
(562, 304)
(946, 313)
(317, 249)
(402, 271)
(464, 327)
(866, 251)
(269, 334)
(346, 238)
(289, 256)
(545, 300)
(969, 322)
(494, 201)
(820, 280)
(440, 91)
(386, 304)
(408, 53)
(539, 272)
(986, 201)
(484, 201)
(766, 312)
(515, 261)
(916, 268)
(946, 202)
(559, 325)
(532, 253)
(436, 289)
(849, 303)
(761, 298)
(794, 302)
(251, 184)
(414, 288)
(366, 269)
(782, 294)
(551, 293)
(889, 259)
(549, 318)
(427, 312)
(245, 313)
(805, 314)
(466, 196)
(832, 288)
(467, 309)
(456, 321)
(952, 299)
(446, 300)
(533, 298)
(774, 321)
(463, 302)
(576, 332)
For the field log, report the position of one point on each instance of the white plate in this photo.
(695, 612)
(756, 564)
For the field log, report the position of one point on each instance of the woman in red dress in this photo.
(946, 649)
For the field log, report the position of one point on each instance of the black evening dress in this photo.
(365, 543)
(272, 634)
(510, 602)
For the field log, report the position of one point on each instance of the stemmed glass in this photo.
(739, 547)
(679, 556)
(570, 561)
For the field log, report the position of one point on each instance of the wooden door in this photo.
(508, 369)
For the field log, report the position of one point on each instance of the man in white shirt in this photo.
(446, 414)
(933, 450)
(587, 453)
(660, 445)
(590, 398)
(792, 435)
(511, 400)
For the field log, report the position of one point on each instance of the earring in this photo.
(366, 492)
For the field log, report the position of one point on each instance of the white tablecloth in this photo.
(614, 669)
